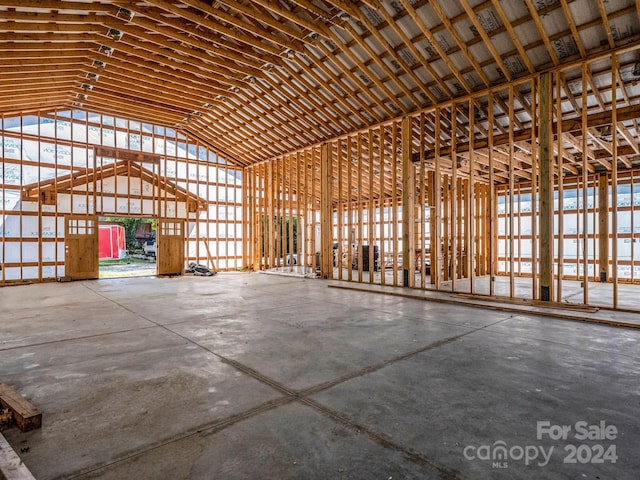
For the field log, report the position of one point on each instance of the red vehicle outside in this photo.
(111, 241)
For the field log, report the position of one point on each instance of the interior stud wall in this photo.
(42, 150)
(477, 179)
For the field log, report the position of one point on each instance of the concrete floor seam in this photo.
(274, 384)
(446, 473)
(331, 383)
(186, 320)
(242, 368)
(119, 304)
(211, 428)
(379, 366)
(302, 397)
(238, 366)
(314, 390)
(253, 373)
(156, 324)
(291, 396)
(72, 339)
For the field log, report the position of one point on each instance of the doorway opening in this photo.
(126, 247)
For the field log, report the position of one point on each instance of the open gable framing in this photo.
(50, 170)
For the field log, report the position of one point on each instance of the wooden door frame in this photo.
(160, 241)
(93, 272)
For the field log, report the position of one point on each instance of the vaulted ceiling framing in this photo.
(261, 78)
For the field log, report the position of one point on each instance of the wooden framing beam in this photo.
(546, 190)
(408, 206)
(568, 125)
(603, 226)
(326, 213)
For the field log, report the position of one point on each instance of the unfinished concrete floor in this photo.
(251, 376)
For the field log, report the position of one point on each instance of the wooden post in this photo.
(281, 236)
(453, 252)
(446, 223)
(304, 215)
(534, 193)
(433, 247)
(350, 207)
(313, 248)
(408, 207)
(382, 204)
(436, 243)
(546, 191)
(340, 209)
(585, 186)
(290, 210)
(560, 254)
(326, 229)
(511, 209)
(360, 228)
(394, 200)
(371, 209)
(269, 217)
(603, 226)
(470, 215)
(614, 180)
(493, 211)
(461, 240)
(298, 206)
(262, 218)
(248, 252)
(422, 202)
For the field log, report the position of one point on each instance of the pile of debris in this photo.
(200, 270)
(6, 418)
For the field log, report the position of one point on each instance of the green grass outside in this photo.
(127, 267)
(124, 261)
(129, 273)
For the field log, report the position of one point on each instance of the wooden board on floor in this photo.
(27, 416)
(536, 303)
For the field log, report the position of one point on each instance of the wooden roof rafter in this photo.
(344, 75)
(321, 28)
(293, 100)
(281, 63)
(420, 59)
(597, 139)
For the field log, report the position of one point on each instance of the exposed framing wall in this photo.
(470, 161)
(284, 211)
(48, 147)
